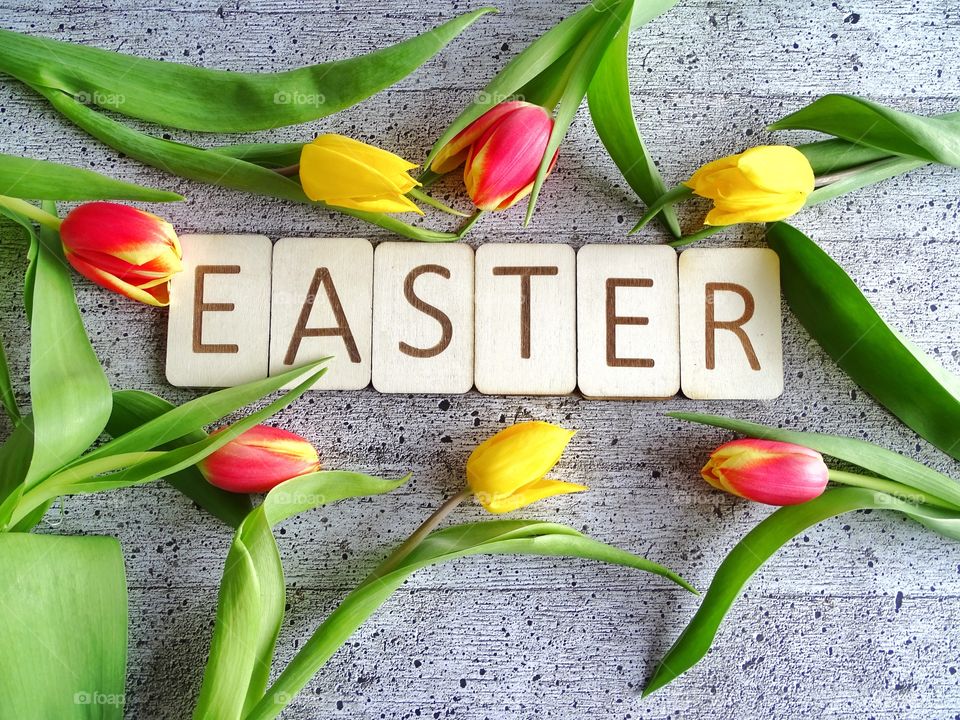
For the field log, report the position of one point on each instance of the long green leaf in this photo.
(612, 112)
(69, 393)
(134, 408)
(42, 180)
(193, 98)
(63, 609)
(8, 398)
(215, 168)
(252, 596)
(614, 17)
(180, 421)
(842, 321)
(933, 139)
(496, 537)
(861, 453)
(140, 467)
(756, 548)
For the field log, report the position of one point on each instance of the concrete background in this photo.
(857, 618)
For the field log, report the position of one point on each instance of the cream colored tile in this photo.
(322, 298)
(730, 334)
(628, 338)
(219, 322)
(423, 318)
(526, 319)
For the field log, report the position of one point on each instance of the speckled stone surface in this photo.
(857, 618)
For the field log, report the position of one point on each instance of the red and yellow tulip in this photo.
(507, 471)
(129, 251)
(767, 471)
(259, 459)
(501, 152)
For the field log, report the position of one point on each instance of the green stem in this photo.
(31, 211)
(411, 543)
(890, 487)
(855, 178)
(426, 199)
(699, 235)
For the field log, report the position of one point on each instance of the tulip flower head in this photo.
(767, 471)
(259, 459)
(501, 152)
(506, 471)
(347, 173)
(129, 251)
(763, 184)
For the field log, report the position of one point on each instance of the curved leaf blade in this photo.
(42, 180)
(933, 139)
(252, 597)
(608, 99)
(495, 537)
(194, 98)
(837, 315)
(754, 550)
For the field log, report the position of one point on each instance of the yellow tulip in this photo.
(763, 184)
(347, 173)
(506, 472)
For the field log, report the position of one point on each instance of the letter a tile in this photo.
(730, 334)
(628, 325)
(526, 319)
(322, 298)
(219, 324)
(423, 318)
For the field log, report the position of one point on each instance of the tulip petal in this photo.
(260, 459)
(528, 494)
(384, 204)
(767, 471)
(768, 213)
(385, 161)
(777, 168)
(455, 152)
(119, 230)
(157, 295)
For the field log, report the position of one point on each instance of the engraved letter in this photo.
(734, 326)
(446, 327)
(613, 320)
(321, 276)
(200, 307)
(525, 274)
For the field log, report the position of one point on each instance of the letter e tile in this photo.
(219, 323)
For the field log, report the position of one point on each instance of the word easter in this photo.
(619, 321)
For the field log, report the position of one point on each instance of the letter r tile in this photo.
(322, 299)
(526, 319)
(423, 318)
(219, 323)
(730, 324)
(628, 327)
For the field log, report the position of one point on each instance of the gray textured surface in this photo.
(858, 618)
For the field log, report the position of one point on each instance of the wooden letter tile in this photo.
(423, 318)
(526, 319)
(219, 324)
(322, 296)
(730, 341)
(628, 339)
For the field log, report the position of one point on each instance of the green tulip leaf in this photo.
(758, 546)
(212, 167)
(135, 468)
(835, 312)
(268, 155)
(8, 398)
(132, 410)
(932, 139)
(42, 180)
(63, 608)
(252, 596)
(495, 537)
(194, 98)
(610, 107)
(862, 177)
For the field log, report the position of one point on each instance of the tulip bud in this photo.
(767, 471)
(763, 184)
(258, 460)
(502, 149)
(129, 251)
(347, 173)
(506, 472)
